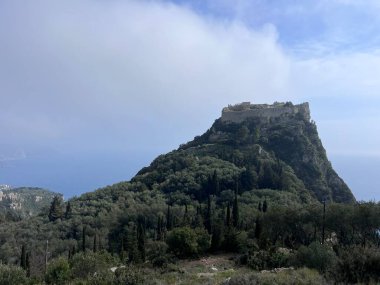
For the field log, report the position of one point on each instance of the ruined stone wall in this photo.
(230, 114)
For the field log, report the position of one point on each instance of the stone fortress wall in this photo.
(240, 112)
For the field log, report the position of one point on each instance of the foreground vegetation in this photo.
(117, 227)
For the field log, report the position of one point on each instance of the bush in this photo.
(316, 255)
(203, 240)
(157, 253)
(358, 265)
(129, 275)
(186, 242)
(262, 259)
(84, 265)
(106, 277)
(10, 274)
(58, 271)
(299, 276)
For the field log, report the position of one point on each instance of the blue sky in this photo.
(91, 90)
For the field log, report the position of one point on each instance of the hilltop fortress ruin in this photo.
(240, 112)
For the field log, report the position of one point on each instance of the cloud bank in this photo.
(124, 74)
(89, 77)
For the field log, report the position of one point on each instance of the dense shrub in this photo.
(263, 259)
(358, 265)
(157, 253)
(186, 242)
(316, 255)
(203, 240)
(129, 275)
(58, 271)
(84, 265)
(285, 277)
(10, 274)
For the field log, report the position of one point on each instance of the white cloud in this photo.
(122, 71)
(347, 75)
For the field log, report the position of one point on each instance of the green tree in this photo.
(169, 219)
(68, 211)
(10, 274)
(235, 209)
(183, 242)
(141, 237)
(228, 216)
(217, 237)
(58, 272)
(317, 256)
(186, 218)
(215, 183)
(84, 239)
(265, 206)
(56, 211)
(23, 258)
(208, 217)
(132, 244)
(27, 264)
(248, 179)
(95, 247)
(258, 228)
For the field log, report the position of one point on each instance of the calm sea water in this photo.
(76, 174)
(73, 174)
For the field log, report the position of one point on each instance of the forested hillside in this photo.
(261, 192)
(19, 203)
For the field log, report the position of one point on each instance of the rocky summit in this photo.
(262, 146)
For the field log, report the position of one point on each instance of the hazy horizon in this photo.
(91, 91)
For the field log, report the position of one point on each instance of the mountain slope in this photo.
(258, 147)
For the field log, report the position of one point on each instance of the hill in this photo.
(264, 146)
(16, 203)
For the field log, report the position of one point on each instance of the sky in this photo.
(93, 90)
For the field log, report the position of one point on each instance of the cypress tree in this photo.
(68, 211)
(216, 238)
(208, 215)
(198, 220)
(133, 253)
(122, 250)
(169, 219)
(55, 211)
(258, 228)
(100, 245)
(186, 218)
(265, 206)
(27, 263)
(228, 215)
(95, 247)
(215, 183)
(209, 185)
(141, 237)
(159, 232)
(84, 239)
(73, 250)
(259, 207)
(23, 257)
(235, 209)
